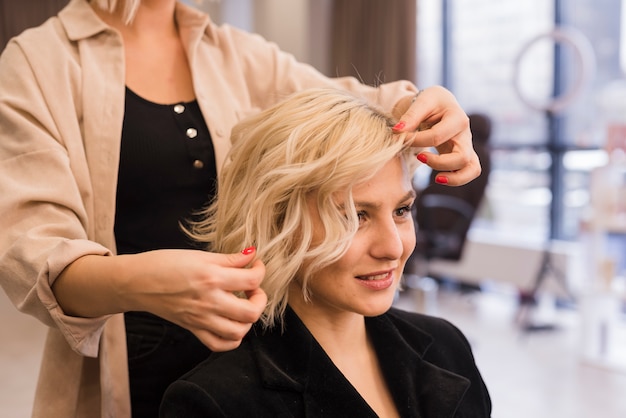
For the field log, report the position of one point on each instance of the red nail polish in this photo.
(399, 126)
(248, 250)
(441, 180)
(422, 157)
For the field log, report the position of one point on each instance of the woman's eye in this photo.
(361, 215)
(403, 211)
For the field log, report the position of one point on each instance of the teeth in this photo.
(376, 277)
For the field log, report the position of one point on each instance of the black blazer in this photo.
(426, 361)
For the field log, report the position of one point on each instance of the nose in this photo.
(386, 241)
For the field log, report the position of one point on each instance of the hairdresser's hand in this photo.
(435, 119)
(194, 289)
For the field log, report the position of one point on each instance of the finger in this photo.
(456, 154)
(448, 158)
(240, 259)
(454, 177)
(231, 307)
(258, 299)
(226, 328)
(457, 178)
(241, 279)
(429, 107)
(233, 272)
(217, 343)
(229, 320)
(419, 109)
(435, 135)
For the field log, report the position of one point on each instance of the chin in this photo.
(373, 313)
(377, 309)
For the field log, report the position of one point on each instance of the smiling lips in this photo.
(377, 281)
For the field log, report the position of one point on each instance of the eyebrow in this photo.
(409, 195)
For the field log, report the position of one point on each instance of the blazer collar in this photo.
(294, 362)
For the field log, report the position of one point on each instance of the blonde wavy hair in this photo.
(318, 143)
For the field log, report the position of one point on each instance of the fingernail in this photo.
(399, 126)
(441, 180)
(422, 157)
(248, 250)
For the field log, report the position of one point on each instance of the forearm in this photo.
(194, 289)
(93, 286)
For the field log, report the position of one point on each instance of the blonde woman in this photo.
(115, 118)
(320, 185)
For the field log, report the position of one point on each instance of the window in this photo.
(539, 185)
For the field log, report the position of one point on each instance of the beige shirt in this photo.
(61, 111)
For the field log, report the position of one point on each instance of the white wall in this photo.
(300, 27)
(284, 22)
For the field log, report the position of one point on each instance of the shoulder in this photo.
(53, 45)
(217, 384)
(74, 22)
(447, 348)
(433, 325)
(446, 339)
(221, 371)
(38, 40)
(239, 42)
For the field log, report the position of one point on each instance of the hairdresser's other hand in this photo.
(435, 119)
(195, 289)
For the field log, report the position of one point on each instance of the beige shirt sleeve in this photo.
(44, 192)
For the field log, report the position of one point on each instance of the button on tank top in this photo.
(167, 172)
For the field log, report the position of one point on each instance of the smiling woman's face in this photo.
(365, 279)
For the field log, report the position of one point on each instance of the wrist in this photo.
(92, 286)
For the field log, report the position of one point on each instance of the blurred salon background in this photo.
(530, 261)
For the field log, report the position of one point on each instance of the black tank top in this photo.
(167, 171)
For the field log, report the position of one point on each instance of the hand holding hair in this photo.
(455, 157)
(194, 289)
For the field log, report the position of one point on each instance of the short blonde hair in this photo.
(317, 143)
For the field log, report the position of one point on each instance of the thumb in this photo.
(243, 258)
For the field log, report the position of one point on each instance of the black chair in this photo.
(435, 240)
(444, 214)
(442, 225)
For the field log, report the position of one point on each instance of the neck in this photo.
(344, 338)
(340, 333)
(153, 17)
(345, 341)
